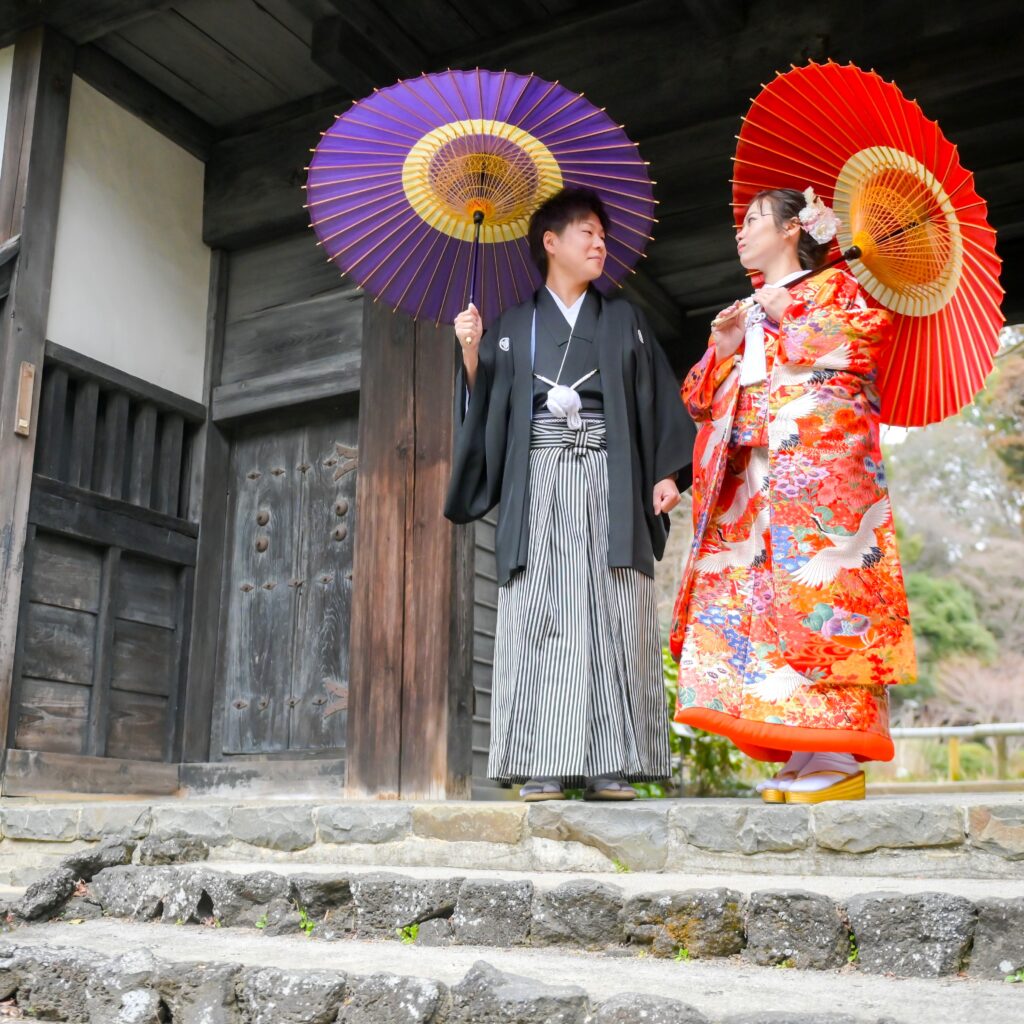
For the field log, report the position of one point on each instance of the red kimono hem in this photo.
(765, 741)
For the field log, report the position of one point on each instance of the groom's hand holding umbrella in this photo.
(469, 329)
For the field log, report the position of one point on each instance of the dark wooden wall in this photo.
(105, 607)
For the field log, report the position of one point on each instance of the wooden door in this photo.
(285, 634)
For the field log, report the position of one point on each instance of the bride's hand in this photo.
(727, 331)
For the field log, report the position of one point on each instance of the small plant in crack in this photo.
(682, 954)
(262, 922)
(854, 954)
(306, 923)
(407, 934)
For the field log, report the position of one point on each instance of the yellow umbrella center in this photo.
(479, 165)
(897, 212)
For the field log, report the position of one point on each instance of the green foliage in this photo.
(306, 923)
(262, 922)
(682, 955)
(854, 954)
(945, 623)
(1016, 978)
(620, 867)
(407, 933)
(709, 764)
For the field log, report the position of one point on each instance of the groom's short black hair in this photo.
(557, 213)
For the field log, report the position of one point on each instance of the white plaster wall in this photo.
(131, 273)
(6, 65)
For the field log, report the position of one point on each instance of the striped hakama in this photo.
(578, 687)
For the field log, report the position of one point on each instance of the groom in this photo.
(568, 418)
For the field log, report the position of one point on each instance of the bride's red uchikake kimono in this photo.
(791, 620)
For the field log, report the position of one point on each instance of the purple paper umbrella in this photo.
(398, 184)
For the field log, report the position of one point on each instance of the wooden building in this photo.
(222, 556)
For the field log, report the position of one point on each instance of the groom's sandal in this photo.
(542, 789)
(608, 789)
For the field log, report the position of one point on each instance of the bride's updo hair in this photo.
(786, 204)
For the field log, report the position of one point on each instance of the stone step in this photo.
(81, 973)
(955, 836)
(913, 929)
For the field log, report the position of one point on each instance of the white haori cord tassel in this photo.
(564, 402)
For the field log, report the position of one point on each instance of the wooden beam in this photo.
(385, 41)
(341, 52)
(30, 183)
(144, 100)
(35, 773)
(78, 21)
(310, 382)
(80, 366)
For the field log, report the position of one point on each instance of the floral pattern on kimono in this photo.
(792, 618)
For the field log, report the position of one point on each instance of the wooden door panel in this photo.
(59, 644)
(147, 592)
(288, 595)
(137, 726)
(319, 696)
(52, 716)
(261, 593)
(66, 573)
(144, 658)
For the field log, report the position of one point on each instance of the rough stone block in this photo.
(322, 894)
(920, 935)
(704, 922)
(741, 827)
(278, 827)
(55, 824)
(135, 892)
(199, 993)
(241, 900)
(386, 902)
(44, 898)
(998, 939)
(87, 863)
(458, 823)
(172, 851)
(632, 1007)
(208, 822)
(390, 999)
(801, 929)
(382, 822)
(493, 913)
(435, 932)
(114, 821)
(489, 996)
(268, 995)
(584, 913)
(635, 835)
(53, 983)
(860, 827)
(998, 830)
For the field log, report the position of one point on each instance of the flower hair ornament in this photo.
(817, 219)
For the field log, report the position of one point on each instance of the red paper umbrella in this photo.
(923, 246)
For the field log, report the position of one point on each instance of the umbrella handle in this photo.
(478, 219)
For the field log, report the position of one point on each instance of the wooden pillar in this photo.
(30, 182)
(409, 717)
(200, 722)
